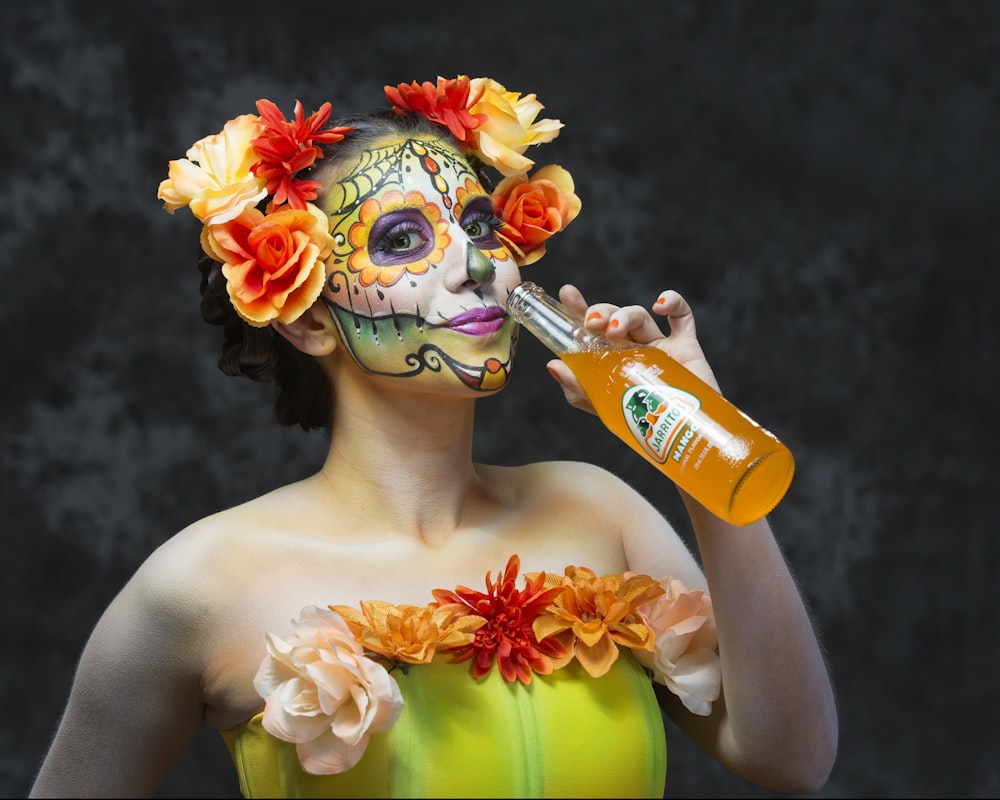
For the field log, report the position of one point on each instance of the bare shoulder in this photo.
(593, 499)
(546, 476)
(198, 573)
(588, 484)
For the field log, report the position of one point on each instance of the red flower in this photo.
(447, 103)
(507, 634)
(289, 146)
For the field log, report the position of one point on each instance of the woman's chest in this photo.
(272, 591)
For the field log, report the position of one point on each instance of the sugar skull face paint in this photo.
(418, 280)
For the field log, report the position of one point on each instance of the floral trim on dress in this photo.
(328, 686)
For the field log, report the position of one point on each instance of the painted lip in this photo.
(479, 321)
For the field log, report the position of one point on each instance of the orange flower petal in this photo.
(597, 658)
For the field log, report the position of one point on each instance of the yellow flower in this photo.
(215, 179)
(510, 126)
(601, 612)
(411, 634)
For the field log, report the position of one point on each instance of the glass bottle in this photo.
(731, 465)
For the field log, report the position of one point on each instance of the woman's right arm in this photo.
(135, 702)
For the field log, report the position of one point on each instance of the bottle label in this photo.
(659, 418)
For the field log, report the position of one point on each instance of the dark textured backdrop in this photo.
(818, 178)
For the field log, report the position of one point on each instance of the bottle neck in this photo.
(552, 323)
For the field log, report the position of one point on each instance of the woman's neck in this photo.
(404, 463)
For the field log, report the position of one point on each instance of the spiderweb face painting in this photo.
(418, 278)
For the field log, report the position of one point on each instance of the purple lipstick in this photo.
(479, 321)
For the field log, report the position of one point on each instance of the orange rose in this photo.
(534, 209)
(274, 264)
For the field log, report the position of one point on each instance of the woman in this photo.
(338, 631)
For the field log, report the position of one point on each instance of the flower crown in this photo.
(274, 259)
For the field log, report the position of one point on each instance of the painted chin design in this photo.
(397, 345)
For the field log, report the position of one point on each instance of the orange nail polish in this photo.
(613, 323)
(593, 315)
(555, 375)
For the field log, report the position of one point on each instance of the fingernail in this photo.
(555, 375)
(593, 315)
(613, 323)
(660, 301)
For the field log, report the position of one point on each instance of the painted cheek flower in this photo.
(534, 209)
(216, 179)
(510, 126)
(360, 261)
(507, 635)
(323, 694)
(274, 265)
(407, 633)
(601, 613)
(684, 657)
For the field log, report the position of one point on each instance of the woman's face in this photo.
(418, 280)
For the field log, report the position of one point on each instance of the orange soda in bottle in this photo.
(717, 454)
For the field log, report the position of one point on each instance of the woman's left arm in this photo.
(776, 721)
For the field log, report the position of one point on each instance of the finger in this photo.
(597, 316)
(678, 312)
(570, 386)
(572, 298)
(635, 323)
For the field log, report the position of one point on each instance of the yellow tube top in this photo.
(564, 735)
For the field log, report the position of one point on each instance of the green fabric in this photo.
(564, 735)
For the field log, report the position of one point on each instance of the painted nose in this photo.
(478, 267)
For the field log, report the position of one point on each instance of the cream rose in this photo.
(323, 694)
(684, 657)
(510, 126)
(215, 179)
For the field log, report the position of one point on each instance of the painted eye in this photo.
(400, 238)
(404, 242)
(481, 227)
(476, 229)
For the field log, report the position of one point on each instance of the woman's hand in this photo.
(634, 323)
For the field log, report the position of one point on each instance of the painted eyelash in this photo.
(406, 226)
(492, 221)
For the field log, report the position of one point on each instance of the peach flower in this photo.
(684, 657)
(510, 126)
(601, 613)
(323, 694)
(411, 634)
(533, 210)
(215, 179)
(274, 264)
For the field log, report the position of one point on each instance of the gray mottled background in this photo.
(818, 178)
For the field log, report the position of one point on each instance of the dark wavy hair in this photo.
(302, 391)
